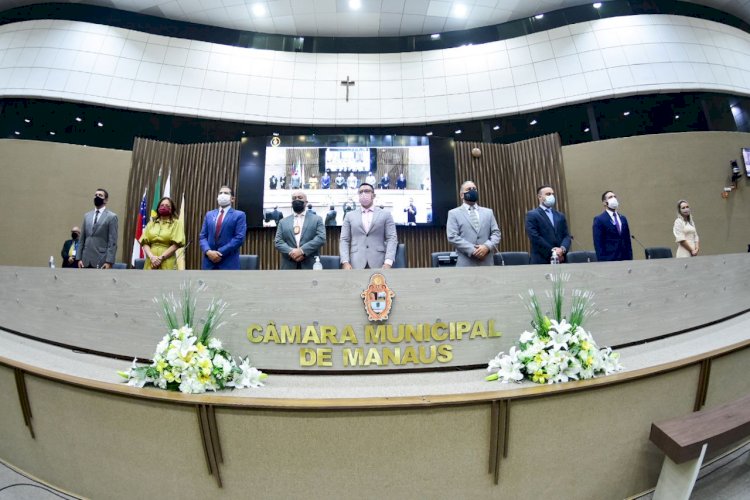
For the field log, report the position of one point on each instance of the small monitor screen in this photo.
(746, 159)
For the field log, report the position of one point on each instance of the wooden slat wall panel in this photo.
(507, 176)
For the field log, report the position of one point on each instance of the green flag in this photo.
(157, 191)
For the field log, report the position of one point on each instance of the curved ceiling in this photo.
(339, 18)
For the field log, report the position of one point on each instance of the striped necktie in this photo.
(474, 218)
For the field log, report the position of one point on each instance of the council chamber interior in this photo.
(645, 98)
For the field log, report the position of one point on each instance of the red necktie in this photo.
(218, 223)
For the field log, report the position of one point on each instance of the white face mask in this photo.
(549, 201)
(224, 199)
(612, 203)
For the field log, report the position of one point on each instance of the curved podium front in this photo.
(334, 423)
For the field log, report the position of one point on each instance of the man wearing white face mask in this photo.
(611, 232)
(223, 233)
(368, 235)
(547, 229)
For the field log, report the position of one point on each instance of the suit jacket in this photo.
(331, 218)
(66, 251)
(544, 236)
(231, 237)
(463, 236)
(373, 248)
(608, 243)
(312, 237)
(98, 243)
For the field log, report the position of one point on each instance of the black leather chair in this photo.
(120, 265)
(139, 263)
(580, 256)
(330, 261)
(658, 253)
(400, 261)
(511, 258)
(444, 259)
(249, 263)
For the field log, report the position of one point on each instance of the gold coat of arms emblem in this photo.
(378, 298)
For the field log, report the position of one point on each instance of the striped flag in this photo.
(168, 185)
(181, 251)
(157, 190)
(140, 225)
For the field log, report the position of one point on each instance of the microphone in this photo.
(648, 256)
(502, 261)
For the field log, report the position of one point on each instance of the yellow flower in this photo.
(205, 366)
(168, 376)
(585, 345)
(160, 365)
(539, 377)
(204, 379)
(200, 348)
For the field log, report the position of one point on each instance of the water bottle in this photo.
(554, 259)
(317, 266)
(51, 262)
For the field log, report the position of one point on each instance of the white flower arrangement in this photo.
(192, 363)
(557, 350)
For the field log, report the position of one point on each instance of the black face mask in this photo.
(471, 196)
(74, 236)
(298, 206)
(98, 202)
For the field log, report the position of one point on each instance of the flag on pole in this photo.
(181, 251)
(140, 225)
(157, 190)
(168, 185)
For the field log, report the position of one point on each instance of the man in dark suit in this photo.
(299, 236)
(611, 232)
(547, 229)
(71, 249)
(99, 235)
(331, 216)
(222, 234)
(473, 230)
(368, 236)
(411, 213)
(275, 215)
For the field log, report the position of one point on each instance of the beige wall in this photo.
(649, 174)
(46, 187)
(51, 184)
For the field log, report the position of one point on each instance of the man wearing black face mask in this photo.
(300, 235)
(71, 250)
(473, 230)
(99, 235)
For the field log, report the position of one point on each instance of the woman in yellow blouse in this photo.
(163, 235)
(684, 231)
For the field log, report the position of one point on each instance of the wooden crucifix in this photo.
(347, 83)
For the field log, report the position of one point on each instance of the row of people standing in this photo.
(339, 182)
(368, 235)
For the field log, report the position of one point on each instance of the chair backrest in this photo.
(511, 258)
(330, 261)
(658, 253)
(400, 261)
(120, 265)
(249, 263)
(580, 256)
(443, 259)
(139, 263)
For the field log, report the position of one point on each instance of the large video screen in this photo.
(330, 174)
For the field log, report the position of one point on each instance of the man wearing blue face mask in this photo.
(222, 234)
(611, 232)
(473, 230)
(547, 229)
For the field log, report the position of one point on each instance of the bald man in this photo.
(473, 230)
(300, 235)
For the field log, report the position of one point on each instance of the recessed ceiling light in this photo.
(586, 129)
(458, 131)
(355, 4)
(428, 133)
(626, 113)
(597, 5)
(539, 16)
(496, 127)
(51, 133)
(435, 36)
(533, 122)
(99, 124)
(459, 10)
(79, 119)
(259, 10)
(676, 117)
(27, 120)
(255, 153)
(17, 132)
(275, 134)
(243, 132)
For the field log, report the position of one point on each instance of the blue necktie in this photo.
(550, 216)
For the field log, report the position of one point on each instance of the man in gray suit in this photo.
(473, 230)
(368, 235)
(99, 235)
(300, 235)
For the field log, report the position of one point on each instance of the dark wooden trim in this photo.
(703, 379)
(210, 440)
(23, 399)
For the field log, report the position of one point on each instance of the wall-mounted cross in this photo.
(347, 83)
